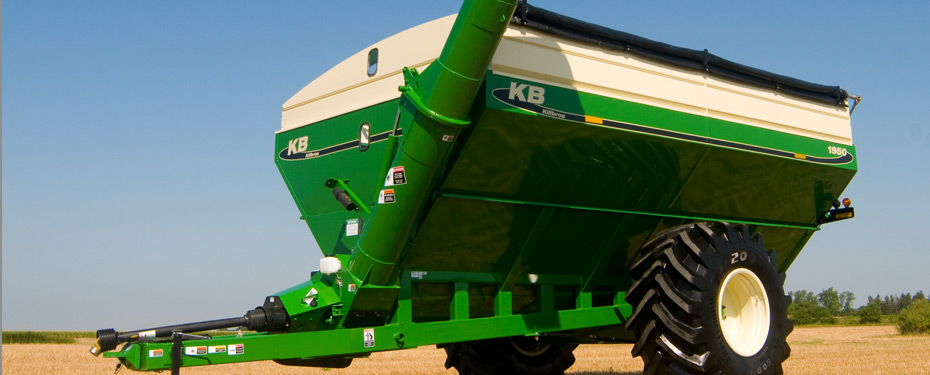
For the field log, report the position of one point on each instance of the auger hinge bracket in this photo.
(412, 92)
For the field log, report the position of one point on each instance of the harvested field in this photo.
(815, 350)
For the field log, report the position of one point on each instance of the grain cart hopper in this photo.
(535, 183)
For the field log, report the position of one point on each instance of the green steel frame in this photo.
(400, 333)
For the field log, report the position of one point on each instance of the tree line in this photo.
(911, 312)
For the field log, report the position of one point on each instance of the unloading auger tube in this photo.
(442, 95)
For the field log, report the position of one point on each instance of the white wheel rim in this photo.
(743, 312)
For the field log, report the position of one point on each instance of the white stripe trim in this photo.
(527, 54)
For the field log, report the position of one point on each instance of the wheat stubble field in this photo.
(815, 350)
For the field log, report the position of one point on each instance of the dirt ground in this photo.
(828, 350)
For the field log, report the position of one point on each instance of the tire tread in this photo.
(672, 276)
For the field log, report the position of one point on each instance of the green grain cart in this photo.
(509, 183)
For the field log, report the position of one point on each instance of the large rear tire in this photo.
(709, 299)
(514, 355)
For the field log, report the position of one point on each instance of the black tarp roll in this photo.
(700, 60)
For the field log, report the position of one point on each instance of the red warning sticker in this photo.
(235, 349)
(386, 196)
(395, 176)
(195, 350)
(156, 353)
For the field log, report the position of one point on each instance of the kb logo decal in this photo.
(297, 149)
(530, 98)
(297, 145)
(535, 95)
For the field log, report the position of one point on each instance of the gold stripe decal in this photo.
(593, 120)
(516, 96)
(297, 148)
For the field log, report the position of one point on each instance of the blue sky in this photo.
(139, 187)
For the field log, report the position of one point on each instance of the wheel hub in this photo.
(530, 348)
(744, 312)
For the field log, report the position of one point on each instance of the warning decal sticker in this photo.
(369, 338)
(216, 349)
(386, 196)
(235, 349)
(156, 353)
(351, 227)
(395, 176)
(195, 350)
(147, 335)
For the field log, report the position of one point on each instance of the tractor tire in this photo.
(709, 299)
(514, 355)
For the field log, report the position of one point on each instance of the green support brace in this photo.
(503, 303)
(600, 257)
(517, 268)
(404, 312)
(459, 306)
